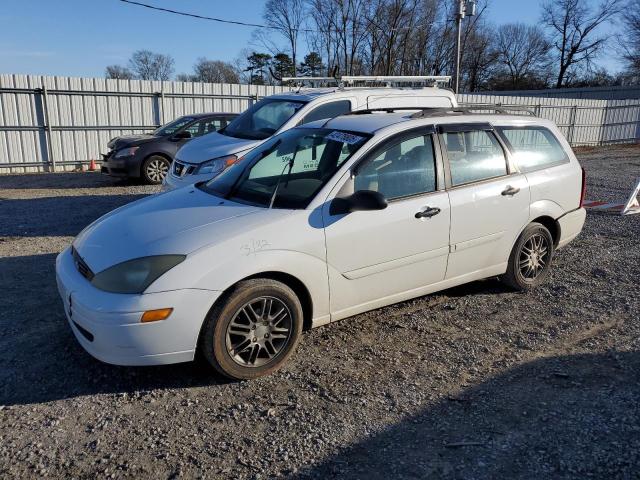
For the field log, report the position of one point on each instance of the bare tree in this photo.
(287, 18)
(147, 65)
(630, 39)
(523, 52)
(118, 72)
(573, 26)
(215, 71)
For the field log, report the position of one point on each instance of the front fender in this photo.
(253, 261)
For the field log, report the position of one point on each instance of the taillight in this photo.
(583, 194)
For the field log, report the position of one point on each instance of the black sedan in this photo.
(148, 157)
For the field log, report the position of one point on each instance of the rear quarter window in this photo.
(533, 148)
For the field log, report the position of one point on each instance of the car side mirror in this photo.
(360, 201)
(183, 135)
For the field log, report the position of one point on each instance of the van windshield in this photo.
(263, 119)
(288, 170)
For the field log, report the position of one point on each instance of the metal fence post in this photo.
(572, 124)
(47, 128)
(41, 125)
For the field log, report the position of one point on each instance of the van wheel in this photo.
(154, 169)
(530, 259)
(253, 331)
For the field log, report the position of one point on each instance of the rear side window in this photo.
(328, 110)
(403, 169)
(534, 148)
(474, 156)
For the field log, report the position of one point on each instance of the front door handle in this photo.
(428, 212)
(510, 191)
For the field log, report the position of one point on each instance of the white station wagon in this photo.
(319, 223)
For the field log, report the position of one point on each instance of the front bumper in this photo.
(120, 167)
(108, 325)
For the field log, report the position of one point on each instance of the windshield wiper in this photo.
(290, 165)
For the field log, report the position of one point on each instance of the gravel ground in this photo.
(474, 382)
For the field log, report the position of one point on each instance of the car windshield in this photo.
(172, 127)
(263, 119)
(288, 170)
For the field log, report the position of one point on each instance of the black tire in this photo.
(247, 336)
(154, 169)
(527, 270)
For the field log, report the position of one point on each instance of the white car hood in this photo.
(212, 146)
(176, 222)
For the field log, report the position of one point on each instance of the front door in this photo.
(489, 200)
(379, 257)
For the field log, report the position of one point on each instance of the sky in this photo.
(81, 37)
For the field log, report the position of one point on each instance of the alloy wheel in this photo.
(259, 332)
(534, 256)
(156, 170)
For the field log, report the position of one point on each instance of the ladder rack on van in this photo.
(389, 81)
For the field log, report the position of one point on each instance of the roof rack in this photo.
(422, 112)
(470, 109)
(389, 81)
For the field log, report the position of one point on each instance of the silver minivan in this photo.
(204, 158)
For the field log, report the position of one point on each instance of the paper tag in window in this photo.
(344, 137)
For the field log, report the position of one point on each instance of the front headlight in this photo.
(126, 152)
(217, 165)
(134, 276)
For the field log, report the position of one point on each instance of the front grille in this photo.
(181, 169)
(81, 265)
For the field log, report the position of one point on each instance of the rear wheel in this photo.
(530, 259)
(154, 169)
(253, 331)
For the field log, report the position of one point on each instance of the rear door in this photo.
(489, 199)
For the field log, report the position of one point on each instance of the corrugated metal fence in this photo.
(58, 123)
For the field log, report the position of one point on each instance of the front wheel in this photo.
(530, 259)
(254, 331)
(154, 169)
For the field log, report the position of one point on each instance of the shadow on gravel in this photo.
(567, 416)
(68, 180)
(40, 360)
(63, 216)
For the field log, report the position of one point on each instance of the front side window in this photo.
(403, 169)
(288, 170)
(212, 125)
(474, 156)
(328, 110)
(172, 127)
(534, 147)
(263, 119)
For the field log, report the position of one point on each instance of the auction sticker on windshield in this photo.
(344, 137)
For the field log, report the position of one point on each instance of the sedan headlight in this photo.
(217, 165)
(134, 276)
(126, 152)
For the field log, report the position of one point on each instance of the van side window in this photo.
(403, 169)
(474, 156)
(534, 147)
(328, 110)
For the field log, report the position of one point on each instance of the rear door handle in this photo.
(510, 191)
(428, 212)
